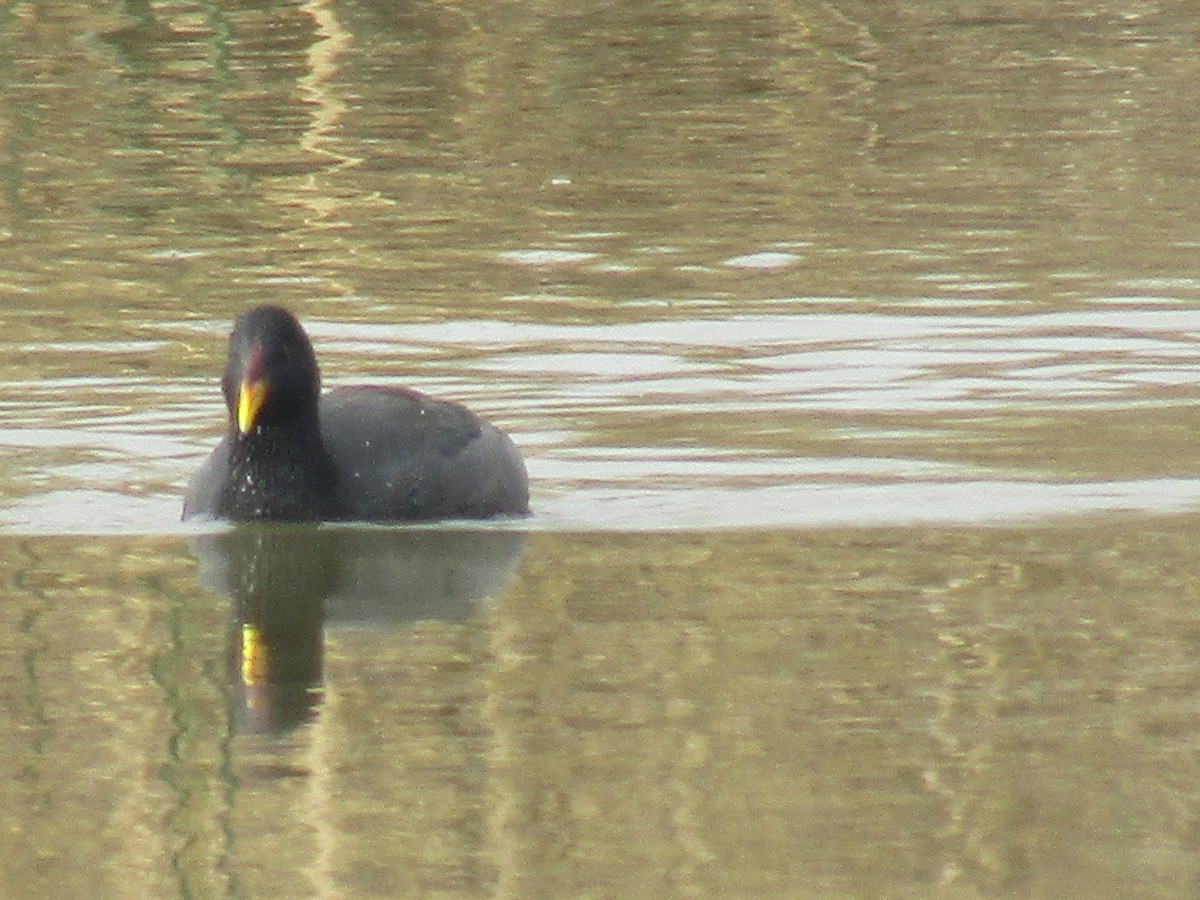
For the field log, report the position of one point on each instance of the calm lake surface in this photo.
(854, 350)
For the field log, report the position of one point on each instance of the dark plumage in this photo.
(366, 453)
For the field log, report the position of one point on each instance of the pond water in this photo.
(854, 351)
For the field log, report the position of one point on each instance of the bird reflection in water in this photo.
(289, 582)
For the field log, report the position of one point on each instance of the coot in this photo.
(364, 453)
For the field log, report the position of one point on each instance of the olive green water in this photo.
(854, 350)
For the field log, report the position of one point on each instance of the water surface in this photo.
(854, 352)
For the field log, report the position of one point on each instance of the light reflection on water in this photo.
(607, 415)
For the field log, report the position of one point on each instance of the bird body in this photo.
(355, 453)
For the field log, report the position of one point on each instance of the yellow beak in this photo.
(251, 396)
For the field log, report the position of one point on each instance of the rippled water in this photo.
(782, 418)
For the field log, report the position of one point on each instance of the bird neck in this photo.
(280, 472)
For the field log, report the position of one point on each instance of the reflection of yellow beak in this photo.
(251, 396)
(254, 656)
